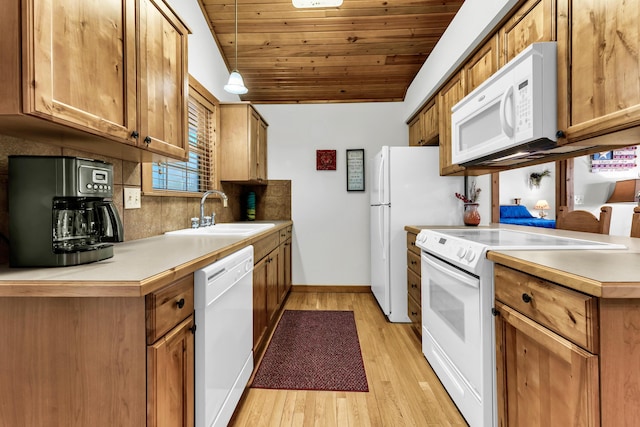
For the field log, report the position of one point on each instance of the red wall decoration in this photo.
(326, 160)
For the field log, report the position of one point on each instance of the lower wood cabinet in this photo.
(414, 284)
(271, 282)
(564, 357)
(98, 361)
(170, 355)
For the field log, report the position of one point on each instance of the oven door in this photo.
(452, 344)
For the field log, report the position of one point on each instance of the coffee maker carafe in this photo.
(61, 211)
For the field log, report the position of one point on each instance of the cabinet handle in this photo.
(495, 311)
(526, 298)
(193, 329)
(135, 134)
(414, 286)
(413, 243)
(413, 263)
(147, 140)
(414, 313)
(180, 303)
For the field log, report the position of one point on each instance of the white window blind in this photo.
(196, 174)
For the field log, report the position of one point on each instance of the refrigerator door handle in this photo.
(381, 180)
(381, 232)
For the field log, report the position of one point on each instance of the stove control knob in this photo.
(461, 252)
(471, 255)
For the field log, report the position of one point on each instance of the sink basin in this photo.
(243, 229)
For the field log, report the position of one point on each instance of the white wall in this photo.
(331, 225)
(515, 183)
(472, 23)
(596, 189)
(331, 237)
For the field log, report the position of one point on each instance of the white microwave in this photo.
(511, 114)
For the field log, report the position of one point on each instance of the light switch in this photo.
(132, 198)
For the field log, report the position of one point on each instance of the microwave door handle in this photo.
(504, 123)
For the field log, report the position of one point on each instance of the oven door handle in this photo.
(466, 279)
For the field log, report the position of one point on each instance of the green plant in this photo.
(536, 177)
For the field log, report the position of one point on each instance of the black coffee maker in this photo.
(61, 211)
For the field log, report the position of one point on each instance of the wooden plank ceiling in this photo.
(361, 51)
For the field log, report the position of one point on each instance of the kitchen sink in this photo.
(243, 229)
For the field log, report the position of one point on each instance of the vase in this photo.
(471, 215)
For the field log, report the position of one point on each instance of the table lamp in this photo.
(541, 205)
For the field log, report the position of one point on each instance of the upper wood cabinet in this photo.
(448, 96)
(243, 143)
(533, 22)
(598, 89)
(424, 127)
(116, 69)
(481, 65)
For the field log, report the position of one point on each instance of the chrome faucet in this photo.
(204, 197)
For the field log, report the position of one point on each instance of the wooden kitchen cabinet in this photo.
(449, 96)
(271, 282)
(414, 284)
(546, 352)
(424, 127)
(98, 361)
(243, 143)
(599, 69)
(170, 355)
(481, 65)
(68, 77)
(533, 22)
(284, 264)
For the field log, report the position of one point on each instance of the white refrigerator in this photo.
(406, 189)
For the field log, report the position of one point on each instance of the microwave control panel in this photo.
(523, 106)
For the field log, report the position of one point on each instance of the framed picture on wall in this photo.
(355, 170)
(326, 160)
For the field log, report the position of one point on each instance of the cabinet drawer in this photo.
(264, 246)
(413, 262)
(415, 312)
(168, 307)
(569, 313)
(411, 243)
(413, 285)
(285, 233)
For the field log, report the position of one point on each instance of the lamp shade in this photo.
(625, 191)
(541, 204)
(235, 84)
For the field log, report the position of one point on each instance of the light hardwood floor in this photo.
(403, 390)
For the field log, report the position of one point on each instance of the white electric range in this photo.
(458, 336)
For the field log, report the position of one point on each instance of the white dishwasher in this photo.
(224, 336)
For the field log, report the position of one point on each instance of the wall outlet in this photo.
(578, 199)
(132, 198)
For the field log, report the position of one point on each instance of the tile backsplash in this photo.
(157, 214)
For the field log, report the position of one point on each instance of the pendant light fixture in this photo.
(235, 84)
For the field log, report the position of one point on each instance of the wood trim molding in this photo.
(337, 289)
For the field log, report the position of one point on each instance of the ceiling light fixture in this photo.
(316, 3)
(235, 84)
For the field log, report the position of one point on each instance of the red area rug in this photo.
(313, 350)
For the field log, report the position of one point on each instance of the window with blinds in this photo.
(197, 174)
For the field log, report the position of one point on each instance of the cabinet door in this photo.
(80, 58)
(600, 66)
(542, 379)
(481, 65)
(430, 123)
(415, 131)
(259, 301)
(272, 283)
(261, 152)
(163, 80)
(170, 376)
(447, 98)
(533, 22)
(287, 267)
